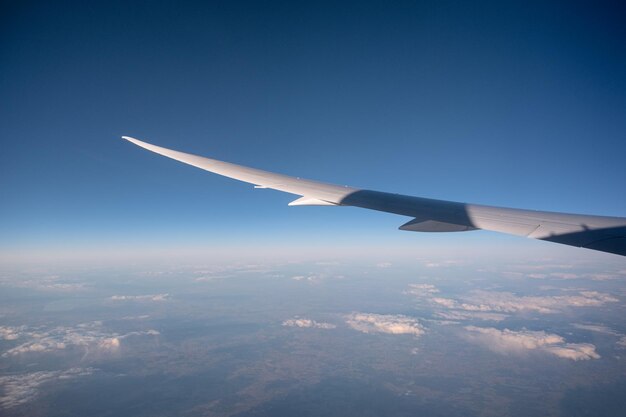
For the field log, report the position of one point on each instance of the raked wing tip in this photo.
(135, 141)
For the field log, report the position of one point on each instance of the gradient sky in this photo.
(517, 104)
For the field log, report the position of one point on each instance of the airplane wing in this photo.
(606, 234)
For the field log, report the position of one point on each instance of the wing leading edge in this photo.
(606, 234)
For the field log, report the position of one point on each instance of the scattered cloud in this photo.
(519, 342)
(207, 278)
(440, 264)
(564, 275)
(299, 277)
(542, 267)
(506, 302)
(470, 315)
(598, 328)
(561, 271)
(382, 323)
(603, 276)
(446, 302)
(141, 317)
(11, 333)
(421, 290)
(20, 389)
(428, 291)
(574, 351)
(602, 329)
(148, 297)
(307, 323)
(315, 278)
(383, 265)
(43, 283)
(496, 306)
(90, 335)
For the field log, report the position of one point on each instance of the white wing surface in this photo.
(606, 234)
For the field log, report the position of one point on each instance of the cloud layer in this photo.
(519, 342)
(381, 323)
(147, 297)
(43, 283)
(470, 315)
(19, 389)
(506, 302)
(90, 335)
(307, 323)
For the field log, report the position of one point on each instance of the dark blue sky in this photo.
(517, 104)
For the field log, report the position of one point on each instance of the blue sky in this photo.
(516, 104)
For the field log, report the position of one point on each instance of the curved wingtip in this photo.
(142, 144)
(133, 140)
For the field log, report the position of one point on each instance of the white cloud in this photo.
(564, 275)
(86, 335)
(20, 389)
(315, 278)
(327, 263)
(440, 264)
(598, 328)
(574, 351)
(598, 297)
(148, 297)
(528, 267)
(422, 290)
(43, 283)
(557, 271)
(113, 343)
(141, 317)
(603, 277)
(11, 333)
(381, 323)
(383, 265)
(208, 278)
(446, 302)
(602, 329)
(307, 323)
(470, 315)
(506, 302)
(519, 342)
